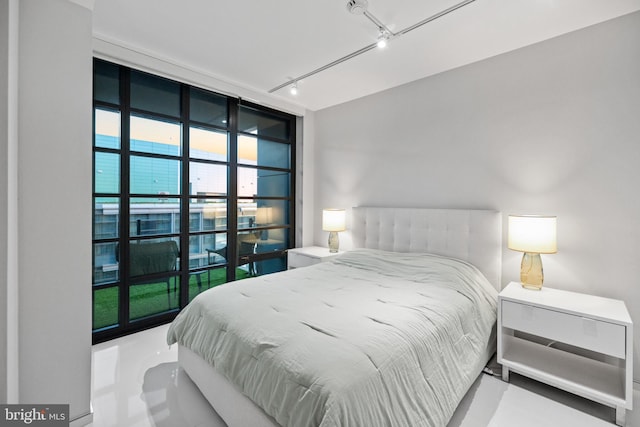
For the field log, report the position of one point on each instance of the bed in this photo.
(361, 339)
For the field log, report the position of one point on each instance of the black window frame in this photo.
(126, 326)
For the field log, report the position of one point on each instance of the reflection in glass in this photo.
(254, 151)
(107, 128)
(147, 299)
(105, 307)
(263, 183)
(208, 145)
(153, 256)
(206, 250)
(247, 248)
(207, 179)
(207, 215)
(206, 107)
(106, 82)
(105, 263)
(107, 172)
(150, 175)
(262, 123)
(156, 94)
(200, 281)
(155, 136)
(262, 213)
(260, 268)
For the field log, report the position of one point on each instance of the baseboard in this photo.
(82, 421)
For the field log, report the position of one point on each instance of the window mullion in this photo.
(232, 191)
(184, 200)
(125, 203)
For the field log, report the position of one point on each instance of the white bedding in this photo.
(370, 338)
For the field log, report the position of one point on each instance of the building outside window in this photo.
(192, 189)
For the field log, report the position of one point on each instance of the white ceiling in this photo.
(260, 44)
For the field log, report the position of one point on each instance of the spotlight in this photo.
(294, 88)
(383, 37)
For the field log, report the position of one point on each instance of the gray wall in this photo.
(553, 128)
(8, 200)
(47, 224)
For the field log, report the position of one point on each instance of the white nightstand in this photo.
(576, 342)
(303, 257)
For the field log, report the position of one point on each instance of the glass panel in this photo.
(106, 82)
(147, 299)
(254, 151)
(248, 150)
(275, 239)
(208, 145)
(207, 179)
(106, 217)
(107, 125)
(152, 216)
(107, 172)
(202, 280)
(153, 256)
(155, 136)
(152, 93)
(259, 213)
(207, 249)
(251, 269)
(105, 307)
(262, 124)
(105, 263)
(208, 215)
(269, 266)
(151, 175)
(207, 107)
(263, 183)
(246, 248)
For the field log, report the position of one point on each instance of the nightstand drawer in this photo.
(592, 334)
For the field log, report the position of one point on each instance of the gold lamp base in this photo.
(531, 275)
(334, 242)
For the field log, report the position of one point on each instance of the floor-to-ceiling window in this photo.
(192, 189)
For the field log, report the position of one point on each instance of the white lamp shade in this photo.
(264, 215)
(334, 220)
(533, 234)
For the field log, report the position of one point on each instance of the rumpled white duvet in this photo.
(370, 338)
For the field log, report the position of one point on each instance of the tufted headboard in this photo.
(471, 235)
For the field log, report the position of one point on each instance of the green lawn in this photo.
(149, 299)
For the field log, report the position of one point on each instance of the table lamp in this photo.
(533, 235)
(333, 220)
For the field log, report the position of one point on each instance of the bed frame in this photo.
(471, 235)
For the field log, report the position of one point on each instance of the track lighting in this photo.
(383, 38)
(357, 7)
(360, 7)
